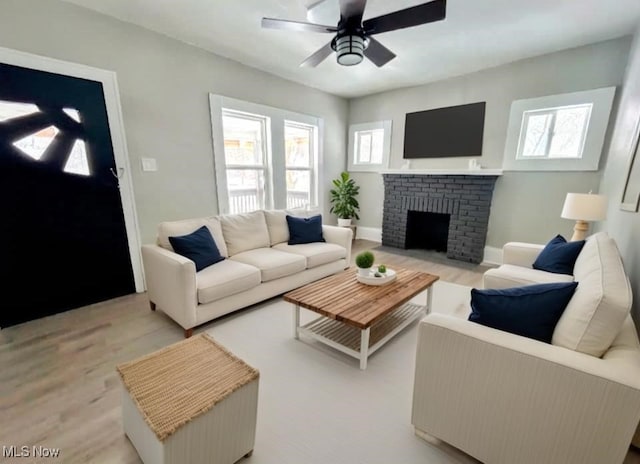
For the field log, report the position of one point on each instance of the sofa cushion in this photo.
(558, 256)
(530, 311)
(305, 230)
(601, 303)
(273, 264)
(198, 246)
(225, 278)
(277, 226)
(244, 232)
(508, 275)
(186, 226)
(317, 254)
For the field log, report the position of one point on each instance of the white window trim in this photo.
(602, 101)
(274, 141)
(386, 146)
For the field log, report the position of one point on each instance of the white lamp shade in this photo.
(584, 207)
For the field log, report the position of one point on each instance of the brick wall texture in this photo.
(466, 198)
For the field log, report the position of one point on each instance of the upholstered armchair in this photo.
(504, 398)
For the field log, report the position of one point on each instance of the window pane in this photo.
(536, 135)
(77, 162)
(363, 147)
(377, 143)
(243, 140)
(298, 140)
(569, 132)
(37, 143)
(246, 190)
(298, 188)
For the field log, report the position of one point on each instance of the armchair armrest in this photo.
(504, 398)
(171, 283)
(340, 236)
(520, 254)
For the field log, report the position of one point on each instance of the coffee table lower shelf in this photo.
(359, 343)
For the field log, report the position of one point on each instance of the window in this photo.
(299, 148)
(245, 160)
(558, 132)
(369, 146)
(268, 157)
(554, 132)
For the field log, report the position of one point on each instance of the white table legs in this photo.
(296, 321)
(364, 347)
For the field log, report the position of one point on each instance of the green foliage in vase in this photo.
(365, 260)
(343, 197)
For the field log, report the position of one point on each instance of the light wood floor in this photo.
(59, 387)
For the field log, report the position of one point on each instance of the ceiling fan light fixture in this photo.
(350, 49)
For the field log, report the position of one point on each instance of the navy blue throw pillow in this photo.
(559, 256)
(198, 246)
(531, 311)
(305, 230)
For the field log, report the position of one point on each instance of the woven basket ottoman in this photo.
(191, 402)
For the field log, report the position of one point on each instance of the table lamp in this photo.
(584, 207)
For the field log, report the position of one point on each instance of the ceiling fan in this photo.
(353, 37)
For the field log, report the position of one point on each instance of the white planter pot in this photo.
(364, 271)
(344, 222)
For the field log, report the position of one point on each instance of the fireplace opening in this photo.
(427, 231)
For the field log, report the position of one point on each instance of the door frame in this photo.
(109, 82)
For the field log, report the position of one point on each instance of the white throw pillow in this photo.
(277, 225)
(244, 232)
(594, 316)
(186, 226)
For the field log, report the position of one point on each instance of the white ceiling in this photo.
(476, 34)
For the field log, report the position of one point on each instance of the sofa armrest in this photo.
(342, 236)
(171, 283)
(505, 398)
(520, 254)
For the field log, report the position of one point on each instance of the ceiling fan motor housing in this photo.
(350, 42)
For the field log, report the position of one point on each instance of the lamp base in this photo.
(580, 231)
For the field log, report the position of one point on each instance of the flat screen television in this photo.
(443, 132)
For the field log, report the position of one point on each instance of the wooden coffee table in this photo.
(356, 318)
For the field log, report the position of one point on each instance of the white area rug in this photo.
(315, 404)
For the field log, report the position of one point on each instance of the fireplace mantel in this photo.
(444, 172)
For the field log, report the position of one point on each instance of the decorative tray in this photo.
(371, 279)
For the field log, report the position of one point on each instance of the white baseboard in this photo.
(492, 255)
(369, 233)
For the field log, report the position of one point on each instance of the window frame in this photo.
(354, 130)
(313, 193)
(601, 101)
(275, 174)
(553, 112)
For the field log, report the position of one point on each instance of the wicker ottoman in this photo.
(191, 402)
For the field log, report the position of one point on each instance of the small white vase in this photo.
(344, 222)
(364, 271)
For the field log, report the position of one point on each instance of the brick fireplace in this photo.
(466, 199)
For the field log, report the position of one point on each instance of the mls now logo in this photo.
(29, 452)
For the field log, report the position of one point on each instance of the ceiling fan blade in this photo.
(319, 56)
(378, 53)
(300, 26)
(352, 10)
(409, 17)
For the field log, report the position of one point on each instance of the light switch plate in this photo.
(149, 164)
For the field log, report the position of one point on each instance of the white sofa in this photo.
(503, 398)
(259, 265)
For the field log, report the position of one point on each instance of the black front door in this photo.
(62, 231)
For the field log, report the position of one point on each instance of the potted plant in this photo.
(343, 199)
(364, 261)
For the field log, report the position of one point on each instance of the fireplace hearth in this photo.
(465, 200)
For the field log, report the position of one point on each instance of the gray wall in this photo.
(526, 205)
(164, 86)
(624, 226)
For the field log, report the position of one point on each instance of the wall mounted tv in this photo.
(443, 132)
